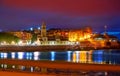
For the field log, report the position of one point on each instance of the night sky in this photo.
(22, 14)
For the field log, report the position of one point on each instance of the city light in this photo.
(31, 29)
(60, 37)
(38, 28)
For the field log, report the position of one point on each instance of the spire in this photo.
(43, 29)
(105, 28)
(43, 23)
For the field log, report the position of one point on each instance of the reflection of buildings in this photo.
(82, 56)
(89, 56)
(92, 56)
(98, 56)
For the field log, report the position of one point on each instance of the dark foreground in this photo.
(63, 65)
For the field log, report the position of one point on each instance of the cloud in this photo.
(20, 14)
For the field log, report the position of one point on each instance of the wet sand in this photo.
(4, 73)
(63, 65)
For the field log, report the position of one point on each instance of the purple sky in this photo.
(20, 14)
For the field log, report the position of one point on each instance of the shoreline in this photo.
(46, 48)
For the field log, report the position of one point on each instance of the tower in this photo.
(43, 34)
(43, 30)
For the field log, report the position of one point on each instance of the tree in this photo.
(8, 38)
(34, 38)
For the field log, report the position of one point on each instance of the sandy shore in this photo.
(63, 65)
(4, 73)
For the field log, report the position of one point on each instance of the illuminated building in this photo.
(43, 30)
(78, 38)
(80, 35)
(24, 36)
(105, 40)
(51, 37)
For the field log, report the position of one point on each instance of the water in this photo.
(91, 56)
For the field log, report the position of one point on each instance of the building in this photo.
(80, 34)
(52, 36)
(24, 36)
(105, 40)
(62, 36)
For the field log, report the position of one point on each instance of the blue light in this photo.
(77, 56)
(2, 55)
(31, 29)
(36, 55)
(69, 56)
(52, 56)
(27, 56)
(20, 55)
(98, 56)
(38, 28)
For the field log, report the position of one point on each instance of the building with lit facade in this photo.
(24, 36)
(50, 37)
(78, 38)
(80, 35)
(83, 37)
(104, 40)
(62, 37)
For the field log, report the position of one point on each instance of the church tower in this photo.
(43, 29)
(44, 34)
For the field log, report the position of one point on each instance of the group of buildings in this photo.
(83, 37)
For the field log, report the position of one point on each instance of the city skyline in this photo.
(22, 14)
(60, 37)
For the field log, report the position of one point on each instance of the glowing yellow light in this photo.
(74, 57)
(83, 56)
(13, 43)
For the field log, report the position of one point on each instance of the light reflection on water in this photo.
(36, 55)
(52, 56)
(69, 56)
(92, 56)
